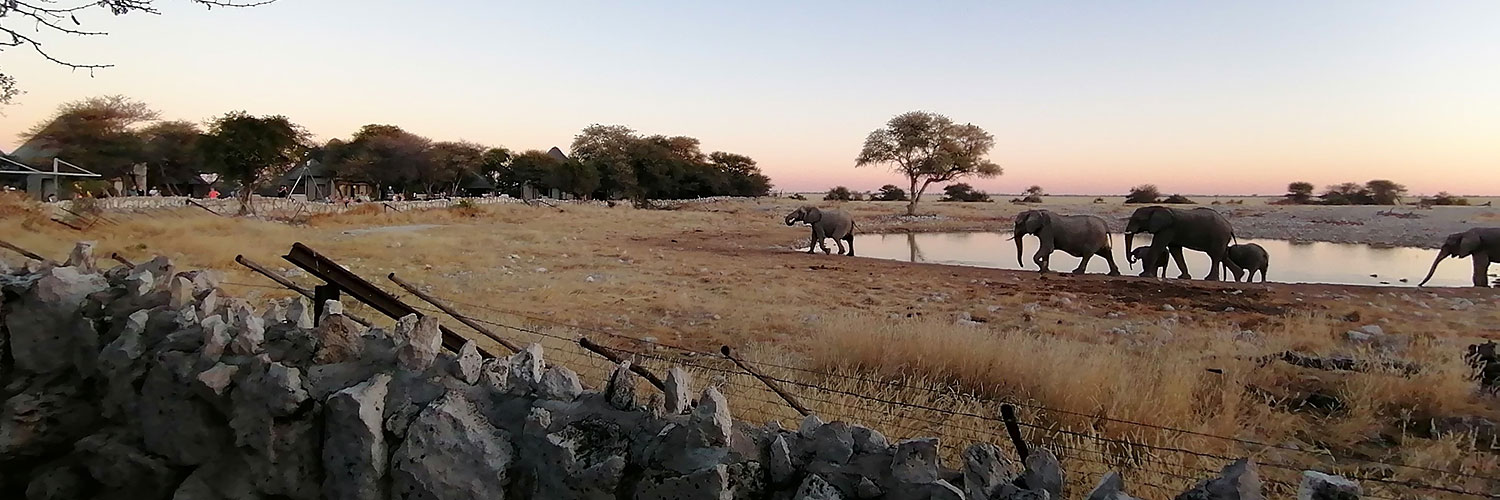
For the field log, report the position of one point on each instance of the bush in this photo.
(890, 192)
(1098, 200)
(1446, 199)
(798, 196)
(1178, 199)
(1144, 193)
(964, 192)
(465, 208)
(841, 193)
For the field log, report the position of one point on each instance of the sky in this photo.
(1085, 97)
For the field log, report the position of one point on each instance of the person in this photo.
(213, 193)
(154, 192)
(282, 192)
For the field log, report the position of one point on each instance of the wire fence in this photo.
(1164, 459)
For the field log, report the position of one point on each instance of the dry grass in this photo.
(720, 274)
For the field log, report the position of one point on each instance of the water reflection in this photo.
(1291, 261)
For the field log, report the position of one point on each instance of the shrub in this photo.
(466, 208)
(1144, 193)
(1298, 193)
(841, 193)
(1445, 198)
(890, 192)
(963, 192)
(1178, 199)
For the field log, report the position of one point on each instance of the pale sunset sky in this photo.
(1082, 97)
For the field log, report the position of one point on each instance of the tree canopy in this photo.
(98, 134)
(890, 192)
(1144, 193)
(929, 148)
(250, 149)
(963, 192)
(1299, 193)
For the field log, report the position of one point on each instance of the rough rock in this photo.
(299, 313)
(867, 440)
(526, 369)
(354, 449)
(118, 466)
(46, 331)
(179, 292)
(679, 387)
(420, 345)
(810, 425)
(1237, 481)
(779, 465)
(987, 472)
(218, 378)
(82, 257)
(833, 443)
(1110, 487)
(816, 488)
(916, 461)
(451, 451)
(1319, 486)
(467, 366)
(620, 392)
(1044, 472)
(339, 339)
(559, 384)
(249, 333)
(710, 484)
(215, 337)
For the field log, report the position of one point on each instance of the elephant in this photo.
(1140, 253)
(1248, 257)
(1482, 244)
(1082, 236)
(834, 223)
(1202, 229)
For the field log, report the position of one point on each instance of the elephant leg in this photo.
(850, 239)
(817, 240)
(1113, 269)
(1154, 253)
(840, 243)
(1084, 264)
(1481, 269)
(1181, 264)
(1236, 270)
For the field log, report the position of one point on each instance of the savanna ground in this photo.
(1086, 358)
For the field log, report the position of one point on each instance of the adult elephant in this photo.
(1202, 229)
(1482, 244)
(1082, 236)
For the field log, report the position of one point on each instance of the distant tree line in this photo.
(110, 135)
(1149, 193)
(1375, 192)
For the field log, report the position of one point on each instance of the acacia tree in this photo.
(249, 149)
(98, 133)
(1299, 192)
(173, 151)
(27, 23)
(452, 163)
(1385, 192)
(927, 147)
(1144, 193)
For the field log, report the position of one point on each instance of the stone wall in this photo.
(263, 204)
(150, 383)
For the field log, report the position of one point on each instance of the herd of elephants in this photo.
(1172, 229)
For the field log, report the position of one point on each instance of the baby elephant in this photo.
(832, 223)
(1139, 254)
(1247, 257)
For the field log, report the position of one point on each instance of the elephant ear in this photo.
(1161, 218)
(812, 215)
(1468, 244)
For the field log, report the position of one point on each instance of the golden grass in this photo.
(719, 274)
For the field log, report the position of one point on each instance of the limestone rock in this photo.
(711, 417)
(173, 422)
(249, 333)
(179, 293)
(987, 472)
(620, 392)
(469, 362)
(1237, 481)
(300, 313)
(1044, 472)
(451, 451)
(47, 332)
(559, 384)
(139, 283)
(810, 424)
(867, 440)
(127, 346)
(119, 467)
(339, 340)
(215, 337)
(526, 369)
(709, 484)
(420, 346)
(779, 464)
(1111, 487)
(679, 386)
(816, 488)
(82, 257)
(833, 443)
(218, 378)
(354, 449)
(1319, 486)
(916, 461)
(331, 307)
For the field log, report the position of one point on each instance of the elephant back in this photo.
(837, 223)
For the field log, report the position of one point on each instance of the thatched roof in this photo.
(557, 154)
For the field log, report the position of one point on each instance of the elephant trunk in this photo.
(1442, 254)
(1017, 238)
(1129, 242)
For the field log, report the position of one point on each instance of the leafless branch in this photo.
(53, 14)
